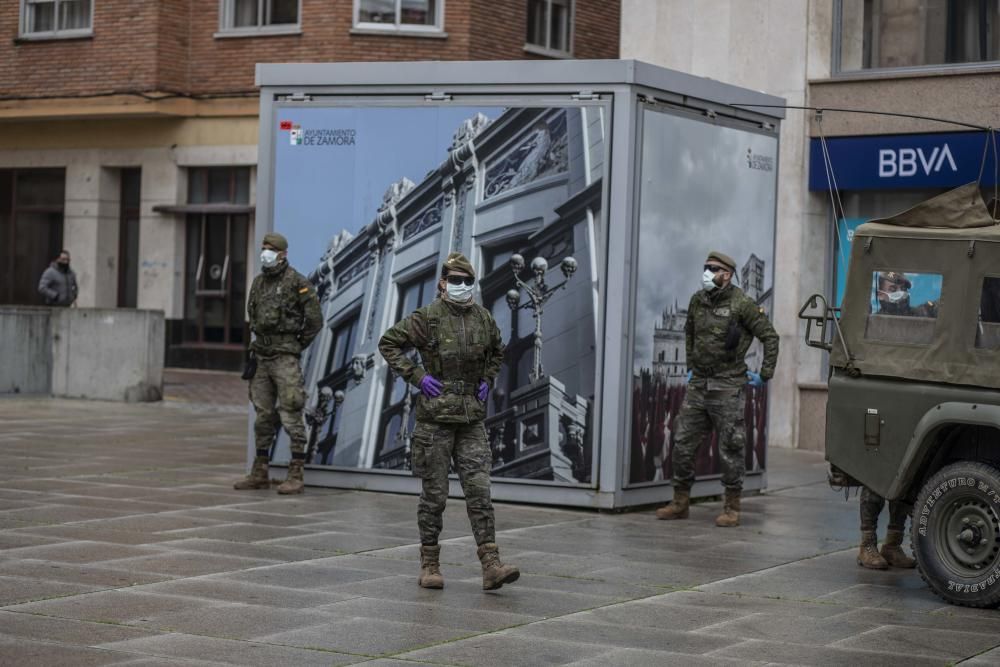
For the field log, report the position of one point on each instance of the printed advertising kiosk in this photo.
(587, 195)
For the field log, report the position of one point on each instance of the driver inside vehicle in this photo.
(893, 296)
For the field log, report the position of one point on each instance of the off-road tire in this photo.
(955, 533)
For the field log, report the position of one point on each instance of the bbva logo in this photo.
(906, 161)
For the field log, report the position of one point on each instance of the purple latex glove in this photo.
(430, 386)
(483, 391)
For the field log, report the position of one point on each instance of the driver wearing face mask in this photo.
(285, 317)
(894, 296)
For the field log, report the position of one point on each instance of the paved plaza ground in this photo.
(123, 543)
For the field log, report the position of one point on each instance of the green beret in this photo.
(458, 262)
(275, 240)
(722, 258)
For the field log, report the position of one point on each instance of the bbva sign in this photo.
(902, 162)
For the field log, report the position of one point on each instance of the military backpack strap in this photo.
(434, 343)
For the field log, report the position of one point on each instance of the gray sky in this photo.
(698, 194)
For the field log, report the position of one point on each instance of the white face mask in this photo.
(896, 297)
(708, 281)
(459, 293)
(268, 258)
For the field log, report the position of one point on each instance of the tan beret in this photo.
(723, 258)
(458, 262)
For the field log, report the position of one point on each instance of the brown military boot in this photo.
(430, 567)
(679, 507)
(892, 550)
(868, 555)
(257, 479)
(730, 510)
(293, 483)
(495, 573)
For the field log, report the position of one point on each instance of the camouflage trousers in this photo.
(871, 507)
(278, 396)
(702, 412)
(433, 447)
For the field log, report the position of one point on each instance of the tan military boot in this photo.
(679, 507)
(495, 573)
(430, 567)
(257, 479)
(868, 555)
(730, 510)
(293, 483)
(892, 550)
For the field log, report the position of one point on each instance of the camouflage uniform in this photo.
(460, 346)
(285, 317)
(715, 395)
(721, 325)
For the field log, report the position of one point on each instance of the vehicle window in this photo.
(903, 306)
(988, 327)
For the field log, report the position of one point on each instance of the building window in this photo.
(550, 25)
(342, 346)
(56, 18)
(884, 34)
(399, 15)
(254, 17)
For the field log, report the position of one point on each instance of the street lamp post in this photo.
(538, 294)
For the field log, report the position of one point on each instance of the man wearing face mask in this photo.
(58, 282)
(721, 324)
(460, 352)
(894, 296)
(284, 317)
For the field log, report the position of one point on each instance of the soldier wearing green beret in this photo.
(461, 353)
(721, 324)
(284, 317)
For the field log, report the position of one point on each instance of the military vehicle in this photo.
(914, 387)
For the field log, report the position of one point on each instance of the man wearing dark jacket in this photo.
(58, 283)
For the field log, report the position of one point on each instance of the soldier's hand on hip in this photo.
(482, 391)
(430, 386)
(754, 379)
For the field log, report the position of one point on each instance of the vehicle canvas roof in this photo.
(954, 215)
(954, 236)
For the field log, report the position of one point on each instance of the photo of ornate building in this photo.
(520, 194)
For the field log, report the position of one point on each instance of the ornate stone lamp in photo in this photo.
(538, 294)
(319, 415)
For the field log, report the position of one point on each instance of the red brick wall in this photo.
(118, 56)
(170, 45)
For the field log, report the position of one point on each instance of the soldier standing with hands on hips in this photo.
(461, 353)
(284, 317)
(721, 324)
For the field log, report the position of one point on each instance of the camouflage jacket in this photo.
(284, 312)
(720, 327)
(460, 345)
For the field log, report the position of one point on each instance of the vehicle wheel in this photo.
(955, 533)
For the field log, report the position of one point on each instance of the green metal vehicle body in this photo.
(913, 408)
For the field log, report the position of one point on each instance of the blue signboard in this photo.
(892, 162)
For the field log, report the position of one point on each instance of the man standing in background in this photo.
(58, 283)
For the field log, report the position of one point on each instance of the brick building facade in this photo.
(128, 131)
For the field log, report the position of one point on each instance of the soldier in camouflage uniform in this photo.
(461, 352)
(284, 317)
(893, 299)
(721, 324)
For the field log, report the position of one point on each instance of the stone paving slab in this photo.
(133, 549)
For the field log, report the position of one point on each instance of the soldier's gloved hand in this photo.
(690, 375)
(483, 391)
(754, 379)
(430, 386)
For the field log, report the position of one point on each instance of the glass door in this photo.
(216, 269)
